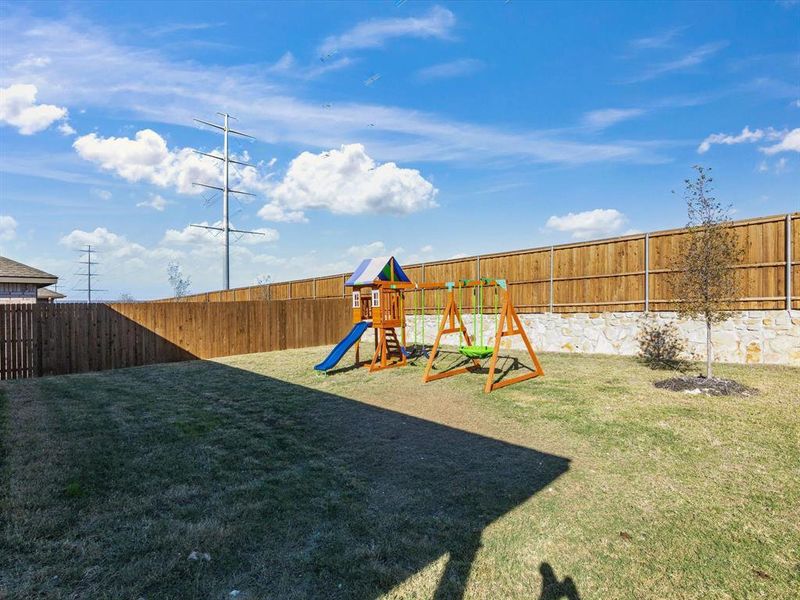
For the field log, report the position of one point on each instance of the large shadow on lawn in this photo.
(373, 496)
(294, 492)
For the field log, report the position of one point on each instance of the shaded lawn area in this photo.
(586, 483)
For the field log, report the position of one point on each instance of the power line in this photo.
(88, 274)
(226, 190)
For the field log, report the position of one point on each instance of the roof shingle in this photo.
(11, 270)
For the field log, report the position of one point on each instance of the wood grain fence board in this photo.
(795, 221)
(73, 338)
(614, 269)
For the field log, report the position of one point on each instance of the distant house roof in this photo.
(12, 271)
(48, 294)
(383, 268)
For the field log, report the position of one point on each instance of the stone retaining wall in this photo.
(753, 337)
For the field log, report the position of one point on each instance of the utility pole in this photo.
(226, 190)
(89, 263)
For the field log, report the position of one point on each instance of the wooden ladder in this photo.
(387, 351)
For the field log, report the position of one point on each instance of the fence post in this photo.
(551, 279)
(314, 284)
(647, 272)
(37, 334)
(478, 267)
(788, 277)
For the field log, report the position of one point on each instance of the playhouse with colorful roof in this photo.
(378, 293)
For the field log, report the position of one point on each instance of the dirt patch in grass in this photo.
(710, 387)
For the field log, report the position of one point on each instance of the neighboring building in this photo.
(21, 284)
(46, 296)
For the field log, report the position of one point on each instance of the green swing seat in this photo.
(476, 351)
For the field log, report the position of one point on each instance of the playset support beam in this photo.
(508, 325)
(509, 318)
(448, 325)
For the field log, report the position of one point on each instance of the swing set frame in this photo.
(509, 325)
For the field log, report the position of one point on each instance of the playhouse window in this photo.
(376, 298)
(356, 299)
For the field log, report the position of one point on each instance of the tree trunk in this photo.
(709, 349)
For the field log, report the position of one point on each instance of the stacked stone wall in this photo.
(750, 337)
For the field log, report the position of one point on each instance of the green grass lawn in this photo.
(586, 483)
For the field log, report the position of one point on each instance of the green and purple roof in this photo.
(382, 268)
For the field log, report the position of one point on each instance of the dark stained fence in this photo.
(55, 339)
(630, 273)
(19, 344)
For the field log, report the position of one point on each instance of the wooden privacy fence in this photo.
(55, 339)
(629, 273)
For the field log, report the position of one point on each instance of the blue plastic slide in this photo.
(342, 347)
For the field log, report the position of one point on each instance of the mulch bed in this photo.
(709, 387)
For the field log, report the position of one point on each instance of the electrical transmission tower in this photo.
(88, 274)
(226, 190)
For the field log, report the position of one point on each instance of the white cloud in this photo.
(781, 165)
(268, 235)
(172, 28)
(102, 194)
(19, 109)
(32, 61)
(437, 23)
(285, 63)
(100, 236)
(199, 235)
(691, 59)
(129, 265)
(96, 71)
(658, 40)
(66, 129)
(8, 228)
(426, 249)
(455, 68)
(368, 250)
(590, 223)
(288, 66)
(156, 202)
(790, 142)
(606, 117)
(746, 136)
(146, 158)
(277, 214)
(796, 104)
(348, 181)
(192, 235)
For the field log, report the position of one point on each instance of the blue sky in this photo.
(428, 130)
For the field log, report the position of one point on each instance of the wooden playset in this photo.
(379, 286)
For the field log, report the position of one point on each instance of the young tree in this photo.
(126, 297)
(180, 284)
(704, 279)
(264, 281)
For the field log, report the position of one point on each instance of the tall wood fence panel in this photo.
(54, 339)
(630, 273)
